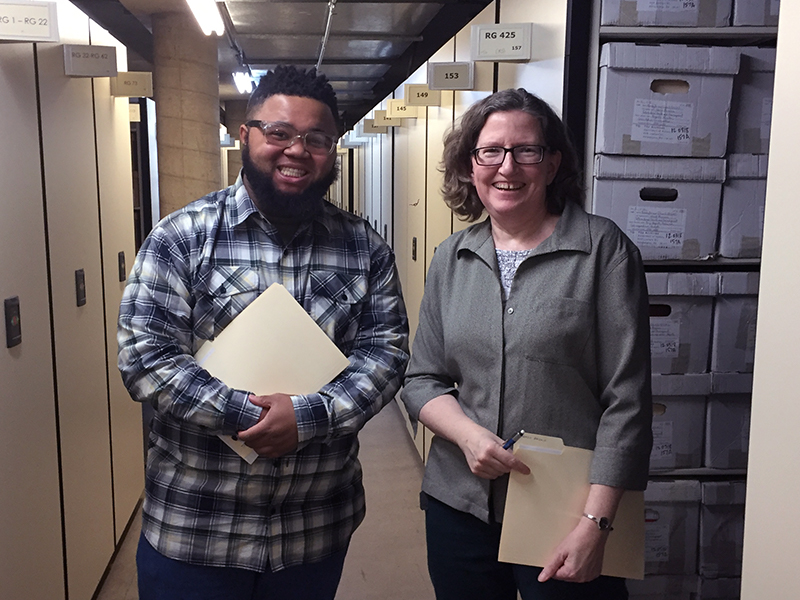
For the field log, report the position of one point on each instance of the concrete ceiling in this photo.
(372, 47)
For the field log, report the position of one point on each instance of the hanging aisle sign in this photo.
(370, 127)
(382, 120)
(419, 94)
(133, 84)
(90, 61)
(398, 109)
(28, 21)
(506, 41)
(451, 76)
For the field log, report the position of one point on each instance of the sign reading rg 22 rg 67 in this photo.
(506, 41)
(28, 22)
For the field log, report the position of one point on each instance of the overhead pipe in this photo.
(331, 5)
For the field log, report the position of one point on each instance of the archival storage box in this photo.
(665, 99)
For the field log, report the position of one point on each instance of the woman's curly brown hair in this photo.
(458, 191)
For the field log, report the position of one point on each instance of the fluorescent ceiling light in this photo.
(207, 15)
(243, 81)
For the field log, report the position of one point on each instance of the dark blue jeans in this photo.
(462, 561)
(162, 578)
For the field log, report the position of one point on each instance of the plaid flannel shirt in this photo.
(195, 272)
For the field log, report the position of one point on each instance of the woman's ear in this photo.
(553, 163)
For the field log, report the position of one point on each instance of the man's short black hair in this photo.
(291, 81)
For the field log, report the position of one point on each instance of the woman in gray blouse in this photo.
(537, 319)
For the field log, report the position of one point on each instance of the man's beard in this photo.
(273, 203)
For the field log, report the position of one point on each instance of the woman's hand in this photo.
(579, 557)
(483, 450)
(485, 454)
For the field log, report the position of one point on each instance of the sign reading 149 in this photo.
(505, 41)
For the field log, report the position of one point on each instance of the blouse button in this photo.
(511, 311)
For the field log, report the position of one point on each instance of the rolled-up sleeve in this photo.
(427, 376)
(155, 340)
(624, 435)
(378, 358)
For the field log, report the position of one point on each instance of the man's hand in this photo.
(275, 434)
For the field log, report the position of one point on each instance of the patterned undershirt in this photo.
(509, 261)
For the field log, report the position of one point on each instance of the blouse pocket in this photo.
(560, 329)
(336, 304)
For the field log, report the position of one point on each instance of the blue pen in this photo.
(510, 441)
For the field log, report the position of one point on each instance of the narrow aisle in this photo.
(387, 559)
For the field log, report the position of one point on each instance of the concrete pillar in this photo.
(186, 89)
(235, 111)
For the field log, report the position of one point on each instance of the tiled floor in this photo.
(386, 560)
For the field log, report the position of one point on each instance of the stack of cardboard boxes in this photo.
(681, 160)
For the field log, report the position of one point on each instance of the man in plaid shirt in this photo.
(213, 525)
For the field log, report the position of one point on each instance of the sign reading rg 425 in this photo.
(503, 35)
(506, 41)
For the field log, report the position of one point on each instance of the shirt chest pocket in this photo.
(224, 294)
(337, 301)
(559, 329)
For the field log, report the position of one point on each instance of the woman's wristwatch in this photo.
(602, 522)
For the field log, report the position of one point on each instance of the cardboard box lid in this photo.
(721, 588)
(682, 284)
(682, 384)
(670, 58)
(743, 284)
(664, 586)
(759, 60)
(723, 492)
(731, 383)
(711, 170)
(747, 166)
(673, 490)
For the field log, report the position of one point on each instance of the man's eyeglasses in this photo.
(491, 156)
(283, 136)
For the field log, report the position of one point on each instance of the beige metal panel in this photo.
(344, 180)
(409, 214)
(367, 175)
(355, 176)
(117, 230)
(377, 181)
(771, 530)
(438, 216)
(484, 74)
(73, 226)
(400, 193)
(484, 71)
(372, 162)
(412, 144)
(31, 560)
(386, 160)
(544, 74)
(363, 187)
(419, 437)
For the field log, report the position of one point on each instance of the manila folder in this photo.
(543, 507)
(272, 346)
